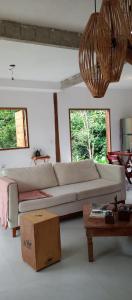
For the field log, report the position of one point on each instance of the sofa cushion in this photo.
(74, 172)
(60, 195)
(96, 188)
(71, 193)
(32, 178)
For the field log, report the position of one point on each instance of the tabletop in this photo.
(100, 222)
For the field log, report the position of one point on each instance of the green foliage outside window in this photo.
(88, 135)
(7, 129)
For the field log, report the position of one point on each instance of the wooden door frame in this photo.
(108, 125)
(56, 124)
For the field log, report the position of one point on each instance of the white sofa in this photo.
(71, 185)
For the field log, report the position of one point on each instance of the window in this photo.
(90, 134)
(13, 128)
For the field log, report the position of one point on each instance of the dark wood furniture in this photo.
(44, 158)
(113, 158)
(14, 231)
(117, 157)
(96, 227)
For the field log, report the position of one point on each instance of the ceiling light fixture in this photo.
(88, 59)
(129, 53)
(103, 46)
(11, 69)
(116, 54)
(126, 7)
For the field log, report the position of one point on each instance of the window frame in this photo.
(18, 108)
(108, 126)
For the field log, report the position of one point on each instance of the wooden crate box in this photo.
(40, 238)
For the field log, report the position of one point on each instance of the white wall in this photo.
(41, 119)
(40, 122)
(118, 101)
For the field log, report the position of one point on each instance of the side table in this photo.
(96, 227)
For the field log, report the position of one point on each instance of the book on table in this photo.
(98, 213)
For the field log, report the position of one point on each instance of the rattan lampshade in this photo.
(88, 59)
(116, 54)
(103, 44)
(126, 6)
(129, 54)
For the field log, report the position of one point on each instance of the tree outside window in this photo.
(13, 128)
(88, 134)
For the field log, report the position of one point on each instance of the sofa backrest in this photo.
(74, 172)
(32, 178)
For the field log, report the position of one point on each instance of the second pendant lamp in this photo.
(88, 57)
(126, 7)
(116, 54)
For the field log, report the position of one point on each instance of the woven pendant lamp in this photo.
(113, 15)
(129, 54)
(88, 59)
(126, 6)
(103, 44)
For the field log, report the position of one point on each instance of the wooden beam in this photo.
(57, 141)
(108, 130)
(39, 35)
(71, 81)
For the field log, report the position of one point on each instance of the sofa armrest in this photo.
(12, 194)
(114, 173)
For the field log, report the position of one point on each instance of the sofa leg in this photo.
(14, 230)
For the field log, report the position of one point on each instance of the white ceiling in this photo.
(36, 62)
(62, 14)
(43, 63)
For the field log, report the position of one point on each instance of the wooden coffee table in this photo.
(97, 227)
